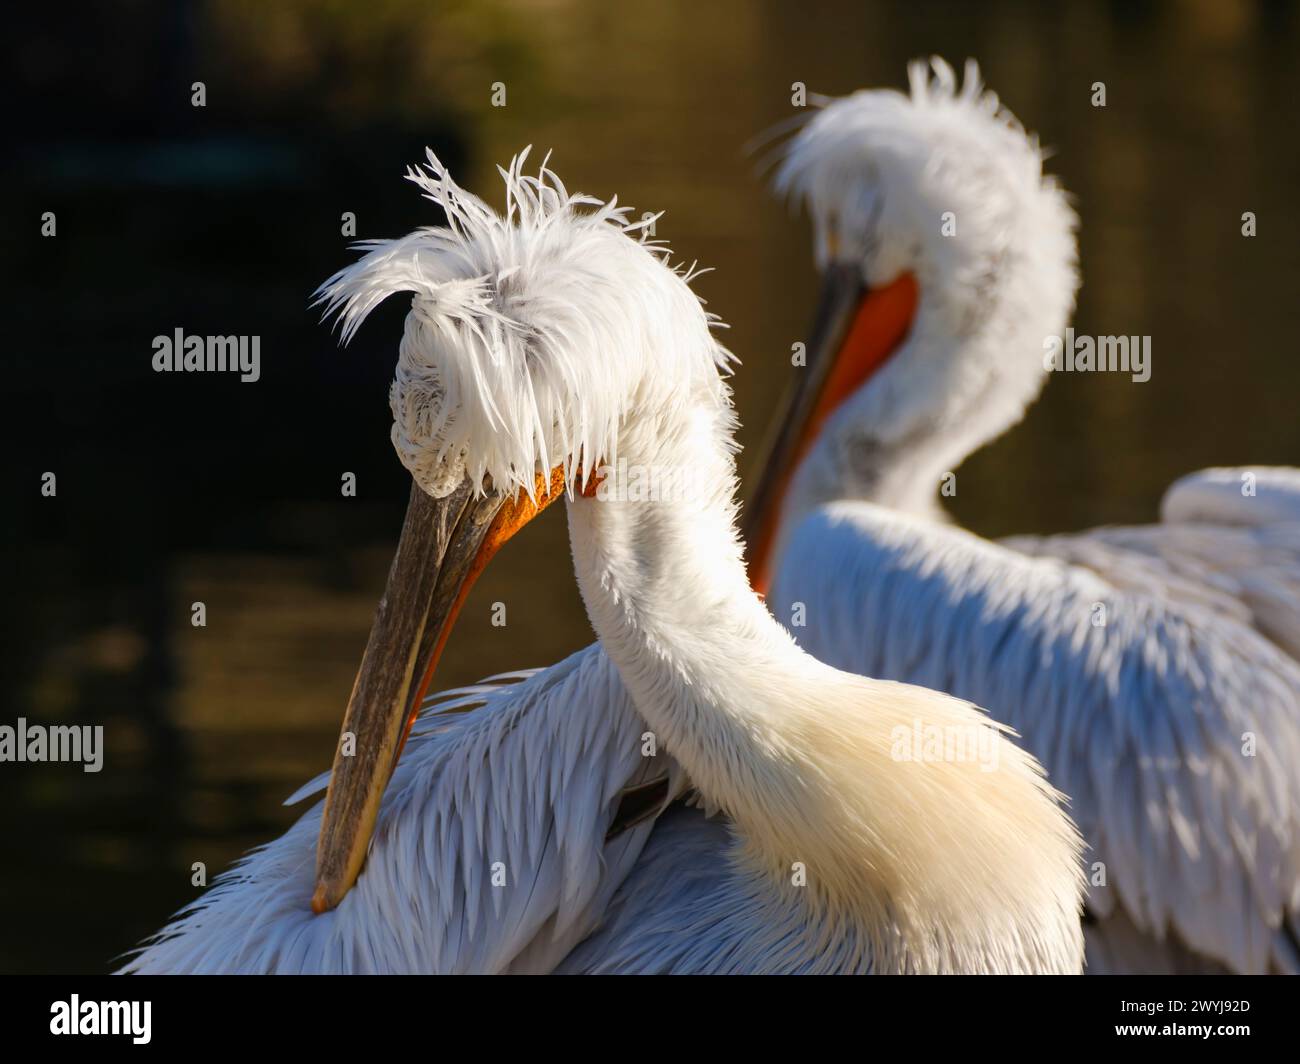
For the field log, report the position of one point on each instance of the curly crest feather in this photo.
(880, 169)
(531, 333)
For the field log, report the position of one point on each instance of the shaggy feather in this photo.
(519, 352)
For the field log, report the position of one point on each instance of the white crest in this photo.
(531, 334)
(888, 177)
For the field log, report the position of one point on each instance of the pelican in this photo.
(692, 793)
(1152, 670)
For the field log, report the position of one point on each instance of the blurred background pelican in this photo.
(179, 489)
(1149, 667)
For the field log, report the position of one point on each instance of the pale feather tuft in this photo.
(881, 164)
(531, 334)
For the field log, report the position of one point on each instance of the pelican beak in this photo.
(445, 544)
(854, 332)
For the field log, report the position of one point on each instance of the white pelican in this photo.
(1151, 670)
(534, 833)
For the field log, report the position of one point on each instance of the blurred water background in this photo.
(174, 489)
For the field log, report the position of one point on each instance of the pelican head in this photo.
(947, 259)
(532, 335)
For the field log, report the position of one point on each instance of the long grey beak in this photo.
(437, 557)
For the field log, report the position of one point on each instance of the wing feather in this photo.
(1175, 728)
(489, 854)
(1229, 541)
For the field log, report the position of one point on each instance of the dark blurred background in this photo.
(180, 488)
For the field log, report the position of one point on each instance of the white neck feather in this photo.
(800, 755)
(940, 398)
